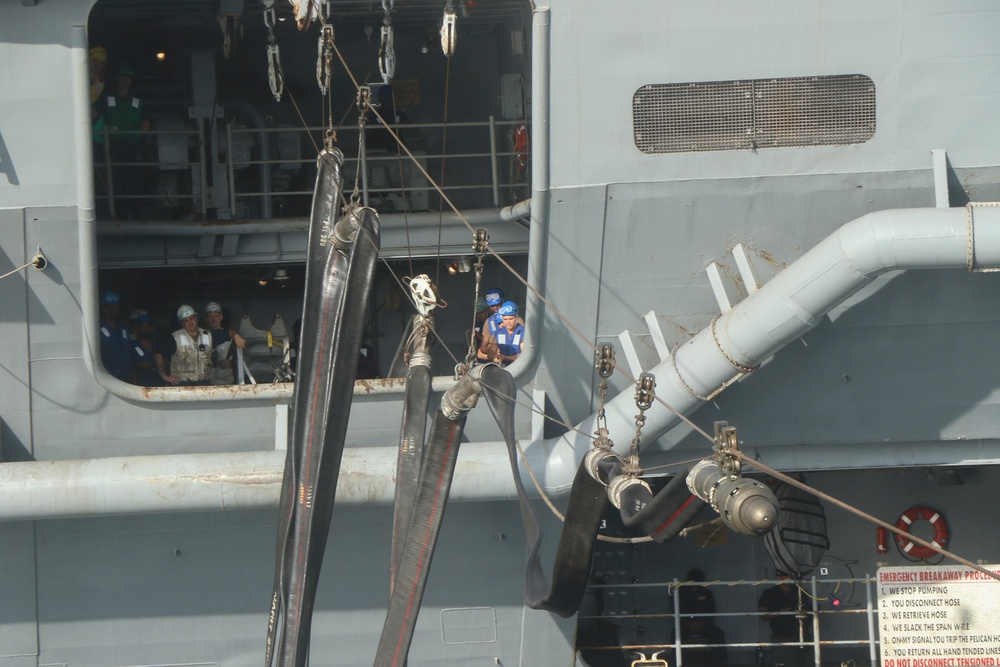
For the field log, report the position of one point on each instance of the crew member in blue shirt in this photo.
(144, 347)
(116, 349)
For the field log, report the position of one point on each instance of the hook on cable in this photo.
(448, 30)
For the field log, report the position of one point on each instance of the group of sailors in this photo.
(499, 332)
(191, 356)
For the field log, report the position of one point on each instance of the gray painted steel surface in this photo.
(902, 373)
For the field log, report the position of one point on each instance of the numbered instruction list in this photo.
(939, 616)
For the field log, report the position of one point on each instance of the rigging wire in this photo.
(444, 151)
(791, 481)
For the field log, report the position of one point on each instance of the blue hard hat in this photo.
(144, 319)
(508, 308)
(109, 298)
(494, 297)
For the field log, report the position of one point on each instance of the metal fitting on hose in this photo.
(599, 462)
(345, 230)
(420, 359)
(463, 395)
(621, 484)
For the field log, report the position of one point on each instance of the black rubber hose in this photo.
(339, 275)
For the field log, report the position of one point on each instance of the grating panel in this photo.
(751, 114)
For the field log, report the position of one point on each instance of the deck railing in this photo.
(233, 172)
(844, 622)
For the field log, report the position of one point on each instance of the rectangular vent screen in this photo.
(757, 113)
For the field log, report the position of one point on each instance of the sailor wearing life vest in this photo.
(222, 342)
(190, 351)
(494, 299)
(510, 335)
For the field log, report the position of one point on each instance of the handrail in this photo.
(486, 189)
(815, 613)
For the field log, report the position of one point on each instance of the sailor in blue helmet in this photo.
(116, 349)
(508, 342)
(494, 299)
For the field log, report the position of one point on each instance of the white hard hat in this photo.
(185, 312)
(212, 307)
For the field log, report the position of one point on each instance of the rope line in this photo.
(20, 268)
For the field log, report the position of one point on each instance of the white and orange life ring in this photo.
(917, 513)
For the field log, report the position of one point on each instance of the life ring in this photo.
(916, 513)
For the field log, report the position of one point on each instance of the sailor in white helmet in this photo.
(222, 341)
(190, 352)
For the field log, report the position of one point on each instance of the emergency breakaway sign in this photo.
(939, 616)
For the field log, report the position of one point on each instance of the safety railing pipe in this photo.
(230, 170)
(677, 623)
(109, 188)
(872, 651)
(815, 622)
(203, 170)
(494, 166)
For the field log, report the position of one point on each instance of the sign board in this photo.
(406, 92)
(938, 616)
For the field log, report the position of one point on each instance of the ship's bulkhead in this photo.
(653, 168)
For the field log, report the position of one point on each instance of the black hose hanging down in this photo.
(411, 439)
(339, 268)
(428, 506)
(575, 553)
(588, 501)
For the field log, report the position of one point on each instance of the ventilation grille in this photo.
(759, 113)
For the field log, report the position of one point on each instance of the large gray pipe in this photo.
(788, 306)
(796, 300)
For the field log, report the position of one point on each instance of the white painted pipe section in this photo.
(214, 482)
(538, 205)
(516, 211)
(795, 300)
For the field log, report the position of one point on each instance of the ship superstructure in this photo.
(782, 210)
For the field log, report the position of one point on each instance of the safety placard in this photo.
(938, 616)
